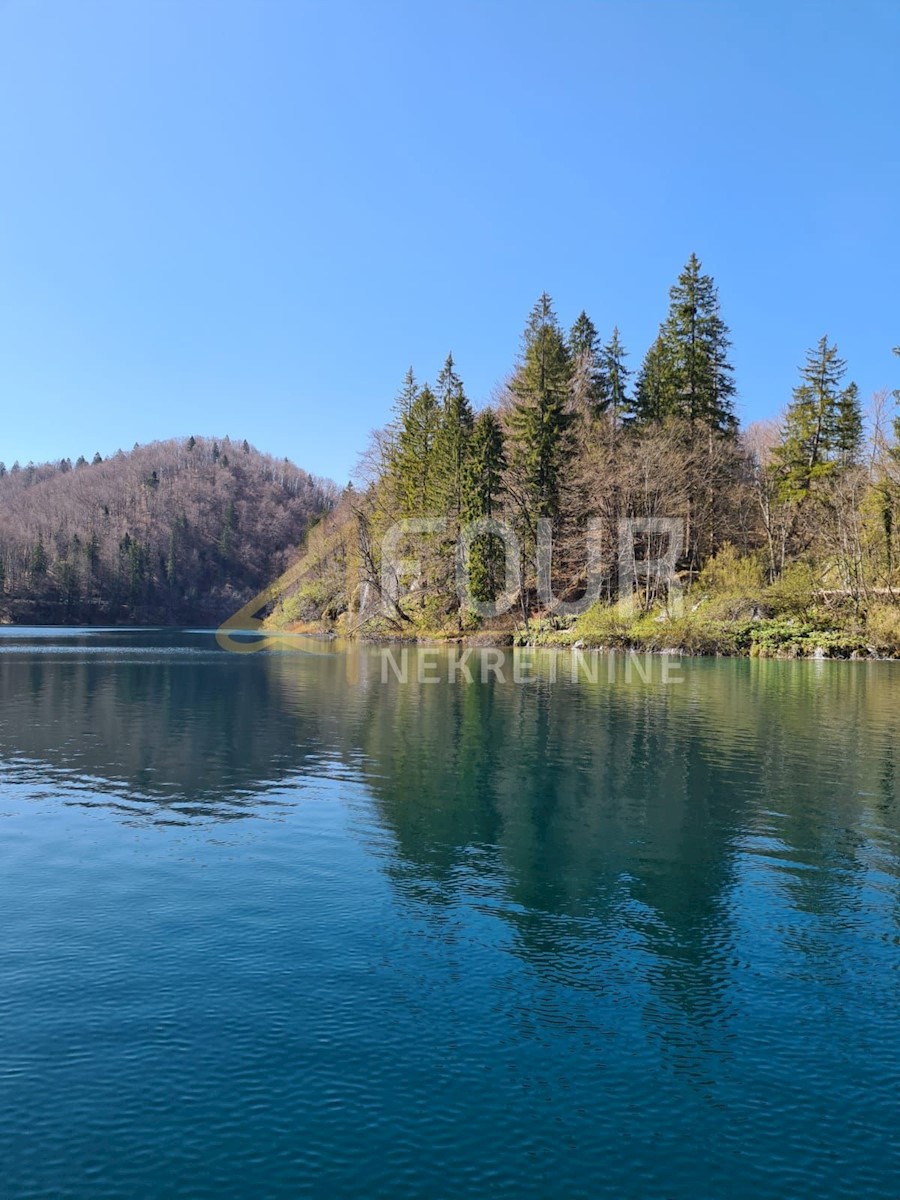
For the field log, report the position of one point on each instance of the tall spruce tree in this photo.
(848, 427)
(414, 464)
(448, 381)
(484, 468)
(823, 423)
(483, 487)
(686, 372)
(452, 440)
(583, 336)
(539, 419)
(404, 400)
(614, 376)
(702, 384)
(655, 386)
(585, 361)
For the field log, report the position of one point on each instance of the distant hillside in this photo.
(176, 531)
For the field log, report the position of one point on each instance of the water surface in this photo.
(274, 925)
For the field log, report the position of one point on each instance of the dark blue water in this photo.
(272, 927)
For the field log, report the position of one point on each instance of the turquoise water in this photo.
(272, 926)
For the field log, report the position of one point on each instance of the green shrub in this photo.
(729, 572)
(794, 592)
(790, 638)
(730, 587)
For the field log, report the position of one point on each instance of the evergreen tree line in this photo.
(577, 435)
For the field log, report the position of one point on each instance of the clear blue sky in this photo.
(250, 218)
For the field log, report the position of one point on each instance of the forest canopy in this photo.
(577, 439)
(175, 531)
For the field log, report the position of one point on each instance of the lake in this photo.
(283, 924)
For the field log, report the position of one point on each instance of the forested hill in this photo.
(177, 531)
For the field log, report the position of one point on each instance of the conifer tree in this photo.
(701, 386)
(414, 463)
(401, 409)
(448, 382)
(585, 359)
(483, 487)
(484, 468)
(614, 375)
(406, 397)
(823, 424)
(848, 427)
(686, 372)
(539, 419)
(452, 440)
(583, 336)
(38, 561)
(92, 552)
(655, 386)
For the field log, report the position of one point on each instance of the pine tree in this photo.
(848, 427)
(483, 487)
(401, 408)
(136, 560)
(655, 386)
(452, 440)
(614, 375)
(405, 399)
(686, 372)
(484, 467)
(822, 424)
(585, 358)
(38, 562)
(539, 419)
(448, 382)
(701, 386)
(414, 462)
